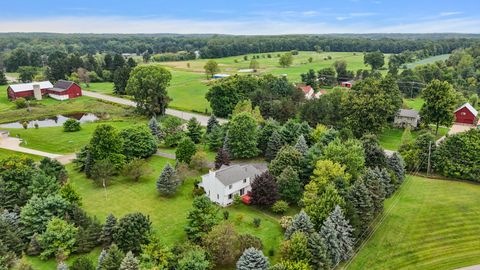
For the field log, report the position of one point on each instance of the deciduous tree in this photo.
(289, 185)
(132, 231)
(242, 136)
(201, 219)
(439, 104)
(264, 190)
(185, 150)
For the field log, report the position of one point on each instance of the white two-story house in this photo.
(222, 185)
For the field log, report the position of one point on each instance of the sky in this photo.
(248, 17)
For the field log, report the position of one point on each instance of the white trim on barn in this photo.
(58, 97)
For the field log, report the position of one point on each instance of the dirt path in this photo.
(13, 144)
(203, 119)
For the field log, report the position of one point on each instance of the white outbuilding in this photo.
(222, 185)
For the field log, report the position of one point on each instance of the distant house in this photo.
(466, 114)
(407, 118)
(63, 90)
(307, 91)
(222, 185)
(27, 89)
(346, 84)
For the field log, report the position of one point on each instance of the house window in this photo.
(230, 187)
(230, 196)
(244, 180)
(463, 113)
(242, 191)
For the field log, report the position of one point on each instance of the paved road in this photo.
(180, 114)
(474, 267)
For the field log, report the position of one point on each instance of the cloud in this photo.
(355, 15)
(244, 27)
(450, 13)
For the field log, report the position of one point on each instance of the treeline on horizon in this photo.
(216, 46)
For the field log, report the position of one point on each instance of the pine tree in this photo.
(153, 125)
(89, 164)
(396, 164)
(215, 138)
(194, 130)
(108, 230)
(34, 248)
(129, 262)
(360, 199)
(212, 122)
(221, 158)
(301, 223)
(273, 146)
(252, 259)
(101, 258)
(62, 266)
(373, 181)
(301, 145)
(320, 258)
(289, 185)
(3, 79)
(337, 234)
(113, 259)
(387, 182)
(201, 219)
(167, 183)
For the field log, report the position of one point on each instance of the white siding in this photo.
(217, 192)
(58, 97)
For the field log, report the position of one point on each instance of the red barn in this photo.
(63, 90)
(26, 89)
(466, 114)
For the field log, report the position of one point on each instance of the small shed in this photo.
(466, 114)
(407, 118)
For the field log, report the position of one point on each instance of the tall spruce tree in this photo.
(201, 219)
(273, 146)
(215, 138)
(108, 230)
(387, 182)
(373, 181)
(129, 262)
(100, 259)
(359, 198)
(252, 259)
(289, 185)
(301, 223)
(396, 164)
(194, 130)
(337, 234)
(153, 126)
(301, 145)
(167, 183)
(212, 122)
(112, 259)
(221, 158)
(320, 258)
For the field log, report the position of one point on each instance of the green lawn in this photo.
(413, 103)
(100, 87)
(168, 215)
(391, 138)
(429, 60)
(64, 142)
(8, 153)
(429, 224)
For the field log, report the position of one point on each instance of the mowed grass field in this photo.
(168, 215)
(391, 137)
(429, 60)
(429, 224)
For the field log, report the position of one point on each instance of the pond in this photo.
(55, 121)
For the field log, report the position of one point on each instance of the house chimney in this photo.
(37, 92)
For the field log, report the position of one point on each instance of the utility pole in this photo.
(429, 154)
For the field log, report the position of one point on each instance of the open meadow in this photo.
(428, 224)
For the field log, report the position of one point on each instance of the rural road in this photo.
(474, 267)
(13, 144)
(203, 119)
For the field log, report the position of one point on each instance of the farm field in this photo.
(429, 224)
(391, 137)
(429, 60)
(168, 215)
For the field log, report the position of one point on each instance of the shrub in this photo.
(71, 125)
(286, 222)
(257, 222)
(280, 207)
(20, 103)
(138, 142)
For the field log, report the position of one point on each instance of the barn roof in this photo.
(469, 107)
(61, 85)
(408, 113)
(232, 174)
(22, 87)
(305, 88)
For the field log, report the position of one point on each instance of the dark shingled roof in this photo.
(232, 174)
(61, 85)
(408, 113)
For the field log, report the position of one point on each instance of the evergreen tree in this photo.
(252, 259)
(296, 248)
(221, 158)
(62, 266)
(215, 138)
(274, 144)
(396, 164)
(112, 260)
(242, 136)
(34, 247)
(101, 258)
(287, 156)
(3, 79)
(373, 181)
(129, 262)
(387, 182)
(301, 145)
(201, 219)
(89, 237)
(289, 185)
(132, 231)
(153, 126)
(82, 263)
(89, 164)
(374, 154)
(194, 130)
(266, 132)
(167, 183)
(337, 234)
(264, 190)
(194, 260)
(320, 258)
(108, 230)
(185, 150)
(360, 200)
(212, 122)
(301, 223)
(309, 161)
